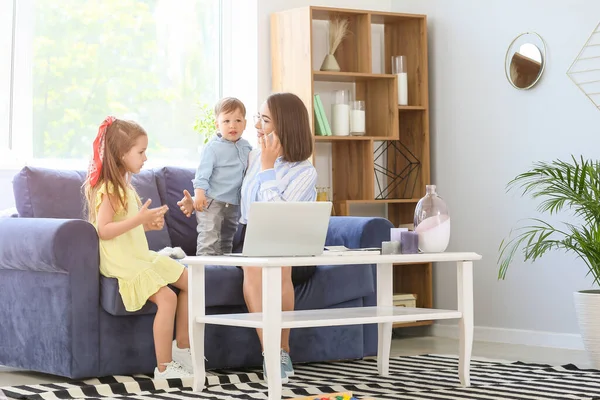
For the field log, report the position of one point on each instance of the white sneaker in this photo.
(172, 370)
(183, 357)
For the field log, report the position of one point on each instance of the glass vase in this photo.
(399, 68)
(340, 113)
(432, 222)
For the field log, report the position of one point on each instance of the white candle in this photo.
(402, 88)
(341, 119)
(357, 121)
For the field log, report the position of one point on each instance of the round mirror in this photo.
(525, 60)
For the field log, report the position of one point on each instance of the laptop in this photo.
(286, 229)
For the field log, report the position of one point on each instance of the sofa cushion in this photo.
(329, 286)
(51, 193)
(171, 181)
(111, 300)
(223, 288)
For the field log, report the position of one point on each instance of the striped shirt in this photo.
(287, 181)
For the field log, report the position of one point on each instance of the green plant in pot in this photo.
(205, 123)
(564, 186)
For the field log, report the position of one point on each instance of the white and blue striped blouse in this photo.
(288, 181)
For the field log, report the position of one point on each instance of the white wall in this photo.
(484, 132)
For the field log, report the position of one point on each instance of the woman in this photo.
(278, 170)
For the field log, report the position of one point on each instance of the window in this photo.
(6, 46)
(76, 61)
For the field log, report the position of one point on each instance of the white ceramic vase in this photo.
(587, 308)
(330, 64)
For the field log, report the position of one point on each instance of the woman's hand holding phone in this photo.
(270, 150)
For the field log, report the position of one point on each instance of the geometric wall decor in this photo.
(395, 185)
(585, 69)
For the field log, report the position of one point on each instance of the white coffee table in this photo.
(272, 320)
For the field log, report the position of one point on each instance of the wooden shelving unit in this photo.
(353, 159)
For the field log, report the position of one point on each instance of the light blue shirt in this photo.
(222, 167)
(287, 181)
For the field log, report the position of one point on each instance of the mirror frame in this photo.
(509, 53)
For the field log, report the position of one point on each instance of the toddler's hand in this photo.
(186, 205)
(148, 216)
(200, 202)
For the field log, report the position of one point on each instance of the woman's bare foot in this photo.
(186, 205)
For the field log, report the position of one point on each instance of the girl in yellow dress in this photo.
(115, 209)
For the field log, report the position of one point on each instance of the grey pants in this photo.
(217, 225)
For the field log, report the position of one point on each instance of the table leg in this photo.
(465, 306)
(384, 299)
(197, 308)
(271, 302)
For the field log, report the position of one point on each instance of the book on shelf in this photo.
(319, 127)
(318, 124)
(321, 116)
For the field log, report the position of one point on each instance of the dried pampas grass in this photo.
(338, 30)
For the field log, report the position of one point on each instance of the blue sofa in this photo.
(59, 316)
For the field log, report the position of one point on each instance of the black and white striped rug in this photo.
(415, 377)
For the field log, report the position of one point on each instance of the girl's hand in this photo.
(156, 225)
(148, 216)
(186, 205)
(271, 149)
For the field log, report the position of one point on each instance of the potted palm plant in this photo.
(564, 186)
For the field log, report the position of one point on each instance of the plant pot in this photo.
(587, 308)
(330, 63)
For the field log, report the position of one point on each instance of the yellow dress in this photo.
(140, 271)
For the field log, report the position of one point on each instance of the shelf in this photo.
(404, 131)
(349, 138)
(325, 13)
(382, 17)
(328, 76)
(334, 317)
(411, 108)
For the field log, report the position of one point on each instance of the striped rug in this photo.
(415, 377)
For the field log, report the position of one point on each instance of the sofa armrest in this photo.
(49, 288)
(47, 245)
(358, 232)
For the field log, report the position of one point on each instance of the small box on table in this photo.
(405, 300)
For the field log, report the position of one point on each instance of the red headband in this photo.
(95, 167)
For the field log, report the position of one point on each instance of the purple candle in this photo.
(409, 242)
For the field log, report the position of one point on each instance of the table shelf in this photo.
(333, 317)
